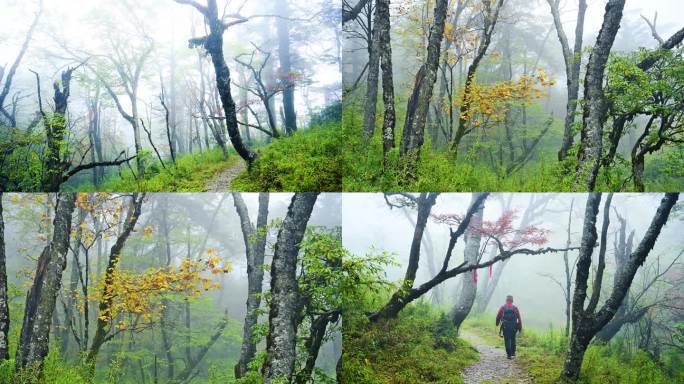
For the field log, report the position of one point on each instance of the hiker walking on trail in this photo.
(511, 324)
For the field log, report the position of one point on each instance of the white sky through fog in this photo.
(368, 223)
(169, 25)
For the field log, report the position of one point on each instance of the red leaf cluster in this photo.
(501, 229)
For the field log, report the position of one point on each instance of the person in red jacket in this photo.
(511, 324)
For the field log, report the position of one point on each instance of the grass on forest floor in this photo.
(420, 346)
(309, 160)
(543, 354)
(439, 170)
(190, 173)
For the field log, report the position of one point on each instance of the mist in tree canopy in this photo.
(153, 287)
(124, 95)
(547, 95)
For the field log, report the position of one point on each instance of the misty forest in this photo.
(170, 95)
(597, 279)
(170, 288)
(513, 95)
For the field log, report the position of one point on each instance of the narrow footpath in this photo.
(222, 181)
(493, 366)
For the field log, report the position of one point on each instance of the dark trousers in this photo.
(509, 340)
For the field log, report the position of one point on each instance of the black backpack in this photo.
(509, 320)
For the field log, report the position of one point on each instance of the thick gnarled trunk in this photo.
(213, 43)
(281, 340)
(591, 138)
(34, 339)
(587, 322)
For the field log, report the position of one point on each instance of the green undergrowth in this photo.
(55, 371)
(190, 173)
(309, 160)
(420, 346)
(543, 354)
(439, 170)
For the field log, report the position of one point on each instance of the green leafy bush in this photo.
(309, 160)
(417, 347)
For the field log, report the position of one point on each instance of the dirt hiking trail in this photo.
(222, 181)
(493, 366)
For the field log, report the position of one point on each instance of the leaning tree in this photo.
(589, 319)
(500, 233)
(213, 44)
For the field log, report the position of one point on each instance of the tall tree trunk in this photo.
(573, 62)
(385, 47)
(591, 138)
(172, 120)
(568, 275)
(587, 322)
(282, 329)
(72, 291)
(255, 247)
(622, 316)
(244, 101)
(491, 17)
(34, 339)
(286, 74)
(95, 136)
(4, 304)
(103, 322)
(171, 134)
(213, 43)
(471, 256)
(372, 78)
(419, 102)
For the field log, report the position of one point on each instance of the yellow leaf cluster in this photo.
(128, 292)
(490, 102)
(148, 231)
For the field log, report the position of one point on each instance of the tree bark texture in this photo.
(586, 323)
(419, 102)
(280, 342)
(389, 118)
(471, 256)
(573, 62)
(213, 43)
(41, 299)
(369, 108)
(591, 138)
(255, 248)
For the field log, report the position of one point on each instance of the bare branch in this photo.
(652, 26)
